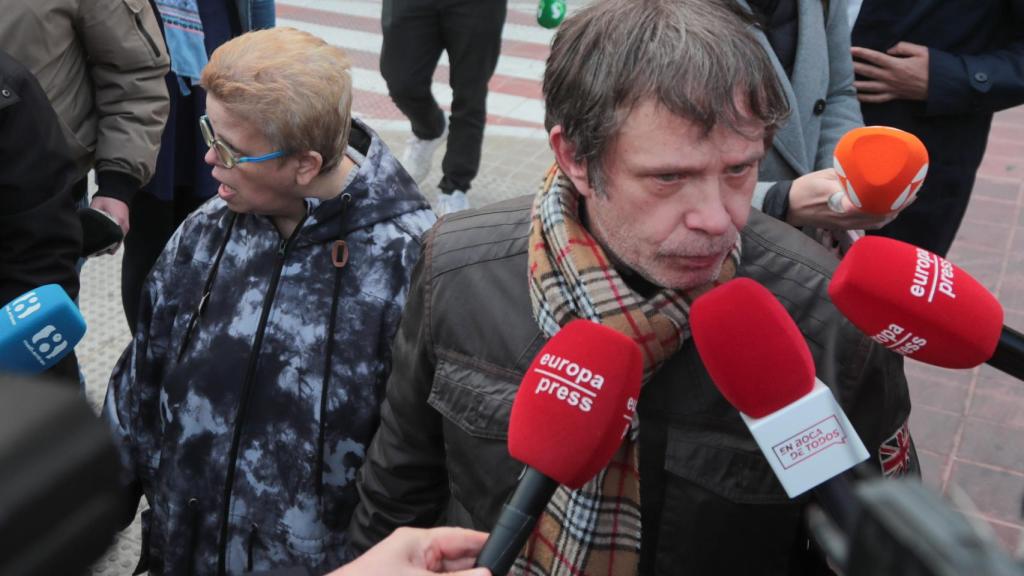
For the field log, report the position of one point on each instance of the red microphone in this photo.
(881, 168)
(924, 307)
(570, 414)
(760, 362)
(741, 331)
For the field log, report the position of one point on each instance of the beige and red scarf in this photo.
(595, 530)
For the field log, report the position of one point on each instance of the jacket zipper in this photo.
(147, 36)
(250, 548)
(243, 403)
(193, 538)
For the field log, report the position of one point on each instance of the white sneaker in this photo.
(454, 202)
(419, 154)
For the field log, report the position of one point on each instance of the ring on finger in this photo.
(835, 203)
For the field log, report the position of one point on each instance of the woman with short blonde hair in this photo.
(245, 403)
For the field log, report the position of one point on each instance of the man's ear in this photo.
(309, 166)
(565, 155)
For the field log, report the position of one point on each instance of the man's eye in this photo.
(739, 170)
(669, 178)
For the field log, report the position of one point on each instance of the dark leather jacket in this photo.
(711, 504)
(40, 234)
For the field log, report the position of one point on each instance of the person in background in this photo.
(415, 33)
(808, 43)
(938, 70)
(39, 231)
(244, 404)
(102, 65)
(193, 29)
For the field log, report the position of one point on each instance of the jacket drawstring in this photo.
(193, 537)
(253, 538)
(339, 264)
(205, 299)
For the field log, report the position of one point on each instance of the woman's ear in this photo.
(310, 163)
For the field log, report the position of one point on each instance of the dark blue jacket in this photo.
(976, 68)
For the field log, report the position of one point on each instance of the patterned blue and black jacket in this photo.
(244, 404)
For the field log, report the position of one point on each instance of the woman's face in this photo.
(267, 188)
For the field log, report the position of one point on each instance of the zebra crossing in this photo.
(514, 103)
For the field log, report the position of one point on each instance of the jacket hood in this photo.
(381, 190)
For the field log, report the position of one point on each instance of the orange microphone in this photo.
(881, 168)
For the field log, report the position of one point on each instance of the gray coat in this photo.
(821, 96)
(221, 405)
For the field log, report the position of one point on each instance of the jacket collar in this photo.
(380, 190)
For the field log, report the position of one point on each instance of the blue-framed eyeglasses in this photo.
(228, 157)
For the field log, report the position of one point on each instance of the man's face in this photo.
(675, 198)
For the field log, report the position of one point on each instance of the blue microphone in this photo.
(37, 329)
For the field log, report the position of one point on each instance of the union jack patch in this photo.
(894, 453)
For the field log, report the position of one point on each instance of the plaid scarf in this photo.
(595, 530)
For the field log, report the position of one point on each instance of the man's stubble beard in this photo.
(598, 231)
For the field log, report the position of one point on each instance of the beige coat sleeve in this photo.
(128, 61)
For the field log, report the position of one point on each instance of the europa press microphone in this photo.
(569, 416)
(922, 306)
(758, 359)
(880, 168)
(37, 329)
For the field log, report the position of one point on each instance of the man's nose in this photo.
(708, 213)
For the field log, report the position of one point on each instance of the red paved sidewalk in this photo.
(969, 424)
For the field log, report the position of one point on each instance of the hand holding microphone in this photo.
(37, 329)
(877, 173)
(573, 408)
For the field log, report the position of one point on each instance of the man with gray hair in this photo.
(658, 112)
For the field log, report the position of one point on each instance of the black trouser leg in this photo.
(471, 31)
(153, 223)
(409, 55)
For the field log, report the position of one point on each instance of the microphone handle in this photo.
(516, 522)
(837, 498)
(1009, 354)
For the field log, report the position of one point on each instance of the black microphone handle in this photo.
(1009, 354)
(514, 525)
(837, 498)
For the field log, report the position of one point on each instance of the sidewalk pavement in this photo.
(969, 424)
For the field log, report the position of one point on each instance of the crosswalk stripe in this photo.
(498, 104)
(516, 27)
(514, 102)
(349, 39)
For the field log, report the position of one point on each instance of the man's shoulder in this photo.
(785, 259)
(495, 232)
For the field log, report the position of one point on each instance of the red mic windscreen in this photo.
(575, 402)
(750, 346)
(881, 168)
(916, 303)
